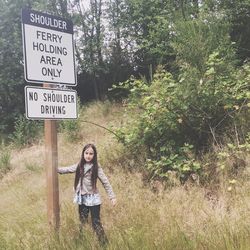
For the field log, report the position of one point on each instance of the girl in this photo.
(86, 193)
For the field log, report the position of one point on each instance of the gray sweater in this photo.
(86, 187)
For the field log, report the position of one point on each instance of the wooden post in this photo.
(51, 161)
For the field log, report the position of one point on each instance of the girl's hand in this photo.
(113, 201)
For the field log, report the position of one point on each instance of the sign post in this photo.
(49, 59)
(51, 161)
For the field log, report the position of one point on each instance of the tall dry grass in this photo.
(179, 217)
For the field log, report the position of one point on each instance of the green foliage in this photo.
(227, 166)
(182, 163)
(26, 131)
(237, 13)
(232, 159)
(192, 112)
(149, 25)
(5, 165)
(117, 38)
(194, 41)
(11, 74)
(71, 129)
(11, 61)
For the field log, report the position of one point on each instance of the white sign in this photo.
(48, 48)
(45, 103)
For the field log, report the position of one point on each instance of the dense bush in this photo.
(175, 119)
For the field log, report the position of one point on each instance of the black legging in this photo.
(95, 218)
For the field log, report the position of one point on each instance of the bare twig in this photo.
(109, 130)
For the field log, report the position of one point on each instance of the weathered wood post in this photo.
(51, 161)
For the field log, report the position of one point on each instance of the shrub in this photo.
(71, 129)
(26, 131)
(173, 115)
(232, 160)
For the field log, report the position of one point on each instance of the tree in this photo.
(119, 49)
(150, 24)
(11, 64)
(195, 39)
(238, 13)
(11, 57)
(90, 44)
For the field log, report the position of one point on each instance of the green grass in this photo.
(5, 165)
(180, 217)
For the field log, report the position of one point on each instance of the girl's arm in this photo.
(67, 170)
(105, 182)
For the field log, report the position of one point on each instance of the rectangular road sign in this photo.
(45, 103)
(48, 48)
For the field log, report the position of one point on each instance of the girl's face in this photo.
(88, 154)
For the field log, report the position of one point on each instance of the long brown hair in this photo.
(80, 167)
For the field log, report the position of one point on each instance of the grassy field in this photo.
(147, 215)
